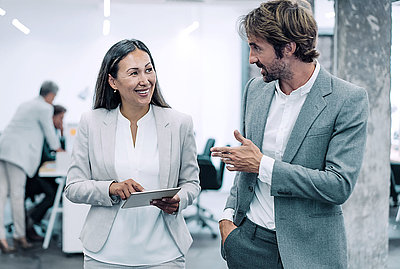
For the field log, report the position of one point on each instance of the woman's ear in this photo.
(111, 81)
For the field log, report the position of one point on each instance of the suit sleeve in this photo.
(80, 186)
(189, 169)
(46, 123)
(342, 162)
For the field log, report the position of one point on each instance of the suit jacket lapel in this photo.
(312, 107)
(164, 145)
(107, 129)
(259, 108)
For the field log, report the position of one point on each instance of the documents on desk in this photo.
(57, 168)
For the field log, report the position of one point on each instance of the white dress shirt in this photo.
(139, 235)
(282, 116)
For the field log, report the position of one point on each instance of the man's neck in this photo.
(302, 72)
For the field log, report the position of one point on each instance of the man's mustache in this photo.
(260, 65)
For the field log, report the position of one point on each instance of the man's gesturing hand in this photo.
(245, 158)
(125, 188)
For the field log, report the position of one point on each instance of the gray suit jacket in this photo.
(92, 171)
(21, 143)
(317, 173)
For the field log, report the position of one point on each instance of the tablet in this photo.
(144, 198)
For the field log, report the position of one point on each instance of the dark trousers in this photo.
(37, 185)
(252, 246)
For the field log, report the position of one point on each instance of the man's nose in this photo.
(252, 59)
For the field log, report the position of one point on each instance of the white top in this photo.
(139, 235)
(282, 116)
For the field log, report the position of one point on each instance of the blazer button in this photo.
(251, 189)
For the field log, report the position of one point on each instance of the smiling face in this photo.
(263, 55)
(135, 80)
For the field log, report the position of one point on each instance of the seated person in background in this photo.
(21, 146)
(48, 186)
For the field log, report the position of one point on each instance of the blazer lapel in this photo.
(312, 107)
(259, 108)
(164, 139)
(107, 130)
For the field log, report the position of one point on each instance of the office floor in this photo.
(204, 253)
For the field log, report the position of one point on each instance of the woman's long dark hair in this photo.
(104, 96)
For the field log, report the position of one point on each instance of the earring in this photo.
(115, 91)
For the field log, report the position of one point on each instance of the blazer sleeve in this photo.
(343, 159)
(81, 187)
(189, 170)
(46, 123)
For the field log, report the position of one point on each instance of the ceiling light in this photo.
(106, 27)
(20, 26)
(190, 28)
(107, 8)
(2, 12)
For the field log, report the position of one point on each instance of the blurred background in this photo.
(201, 61)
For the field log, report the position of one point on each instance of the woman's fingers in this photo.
(125, 188)
(168, 205)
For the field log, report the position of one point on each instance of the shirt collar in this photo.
(306, 87)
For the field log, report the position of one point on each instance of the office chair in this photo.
(210, 179)
(209, 144)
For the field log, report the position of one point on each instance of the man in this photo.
(48, 186)
(284, 209)
(20, 151)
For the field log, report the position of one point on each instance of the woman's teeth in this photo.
(143, 92)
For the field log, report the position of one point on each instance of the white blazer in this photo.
(21, 143)
(92, 171)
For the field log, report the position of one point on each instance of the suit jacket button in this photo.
(251, 189)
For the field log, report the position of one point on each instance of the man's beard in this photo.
(277, 70)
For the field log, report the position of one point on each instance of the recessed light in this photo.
(20, 26)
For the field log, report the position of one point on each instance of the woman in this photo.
(133, 141)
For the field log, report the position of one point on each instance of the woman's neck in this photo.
(133, 114)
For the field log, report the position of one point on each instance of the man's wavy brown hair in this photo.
(280, 22)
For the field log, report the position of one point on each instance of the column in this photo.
(363, 43)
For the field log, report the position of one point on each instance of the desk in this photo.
(73, 214)
(47, 170)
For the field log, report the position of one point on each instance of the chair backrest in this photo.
(208, 174)
(209, 144)
(210, 177)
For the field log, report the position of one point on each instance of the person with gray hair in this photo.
(48, 90)
(21, 146)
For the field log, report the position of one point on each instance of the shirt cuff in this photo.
(265, 171)
(228, 214)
